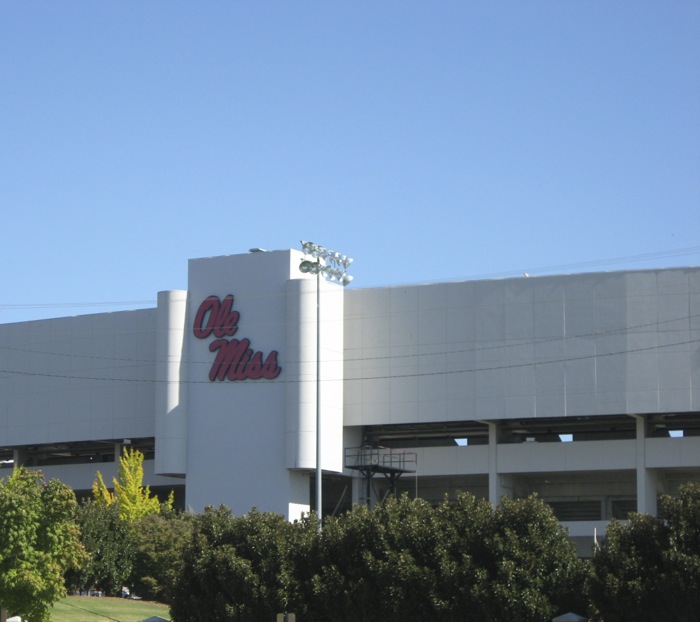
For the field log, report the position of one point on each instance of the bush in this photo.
(403, 560)
(109, 544)
(648, 569)
(159, 544)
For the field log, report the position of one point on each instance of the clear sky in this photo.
(429, 140)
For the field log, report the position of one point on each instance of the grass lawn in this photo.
(92, 609)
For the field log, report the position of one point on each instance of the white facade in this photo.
(583, 388)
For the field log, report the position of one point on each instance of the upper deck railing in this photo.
(380, 460)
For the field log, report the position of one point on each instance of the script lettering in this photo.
(234, 358)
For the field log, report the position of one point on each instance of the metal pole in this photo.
(334, 267)
(319, 483)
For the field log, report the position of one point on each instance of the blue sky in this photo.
(429, 140)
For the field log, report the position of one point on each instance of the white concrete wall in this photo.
(82, 476)
(586, 528)
(583, 456)
(300, 374)
(81, 378)
(565, 457)
(236, 444)
(588, 344)
(252, 442)
(171, 384)
(577, 345)
(433, 461)
(672, 453)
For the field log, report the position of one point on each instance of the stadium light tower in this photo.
(332, 266)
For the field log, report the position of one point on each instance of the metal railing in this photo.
(381, 459)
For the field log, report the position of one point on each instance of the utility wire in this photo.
(679, 252)
(438, 347)
(70, 305)
(450, 372)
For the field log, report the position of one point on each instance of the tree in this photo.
(109, 543)
(682, 515)
(159, 544)
(402, 560)
(233, 568)
(467, 532)
(649, 568)
(133, 498)
(369, 564)
(39, 542)
(116, 534)
(630, 578)
(532, 568)
(334, 573)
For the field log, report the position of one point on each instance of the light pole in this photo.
(333, 266)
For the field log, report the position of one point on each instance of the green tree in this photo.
(369, 564)
(332, 573)
(682, 515)
(648, 568)
(133, 498)
(402, 560)
(108, 541)
(39, 542)
(467, 532)
(159, 545)
(233, 568)
(532, 568)
(464, 560)
(630, 579)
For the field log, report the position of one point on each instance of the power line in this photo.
(520, 343)
(679, 252)
(72, 305)
(385, 377)
(542, 270)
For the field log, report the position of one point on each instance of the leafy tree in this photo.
(125, 547)
(532, 568)
(513, 562)
(159, 544)
(133, 498)
(630, 580)
(100, 493)
(378, 564)
(333, 571)
(649, 568)
(467, 530)
(402, 560)
(409, 578)
(233, 568)
(682, 515)
(39, 542)
(108, 541)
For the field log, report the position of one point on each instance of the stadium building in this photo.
(582, 388)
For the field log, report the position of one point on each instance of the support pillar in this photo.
(647, 479)
(19, 457)
(499, 485)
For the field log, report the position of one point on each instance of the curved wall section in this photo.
(301, 375)
(171, 385)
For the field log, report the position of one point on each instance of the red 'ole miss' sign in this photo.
(235, 359)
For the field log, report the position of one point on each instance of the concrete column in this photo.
(19, 456)
(300, 374)
(499, 485)
(647, 479)
(171, 396)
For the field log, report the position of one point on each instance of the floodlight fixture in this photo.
(330, 264)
